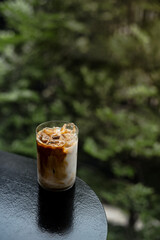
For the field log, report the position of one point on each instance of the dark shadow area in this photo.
(2, 20)
(55, 210)
(123, 232)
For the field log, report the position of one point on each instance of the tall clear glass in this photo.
(57, 144)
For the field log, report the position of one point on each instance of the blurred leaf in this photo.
(91, 148)
(18, 96)
(123, 170)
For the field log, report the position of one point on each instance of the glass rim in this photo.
(56, 121)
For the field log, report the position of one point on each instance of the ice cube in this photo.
(71, 128)
(69, 139)
(55, 136)
(44, 138)
(63, 129)
(48, 131)
(56, 129)
(56, 143)
(67, 136)
(61, 143)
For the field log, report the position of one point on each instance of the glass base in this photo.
(54, 189)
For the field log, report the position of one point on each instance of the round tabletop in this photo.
(29, 212)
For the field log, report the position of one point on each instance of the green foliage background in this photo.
(96, 63)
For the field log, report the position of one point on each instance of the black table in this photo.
(27, 212)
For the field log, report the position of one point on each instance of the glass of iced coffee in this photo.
(57, 144)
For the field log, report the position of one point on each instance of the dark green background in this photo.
(96, 63)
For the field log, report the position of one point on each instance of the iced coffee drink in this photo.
(57, 144)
